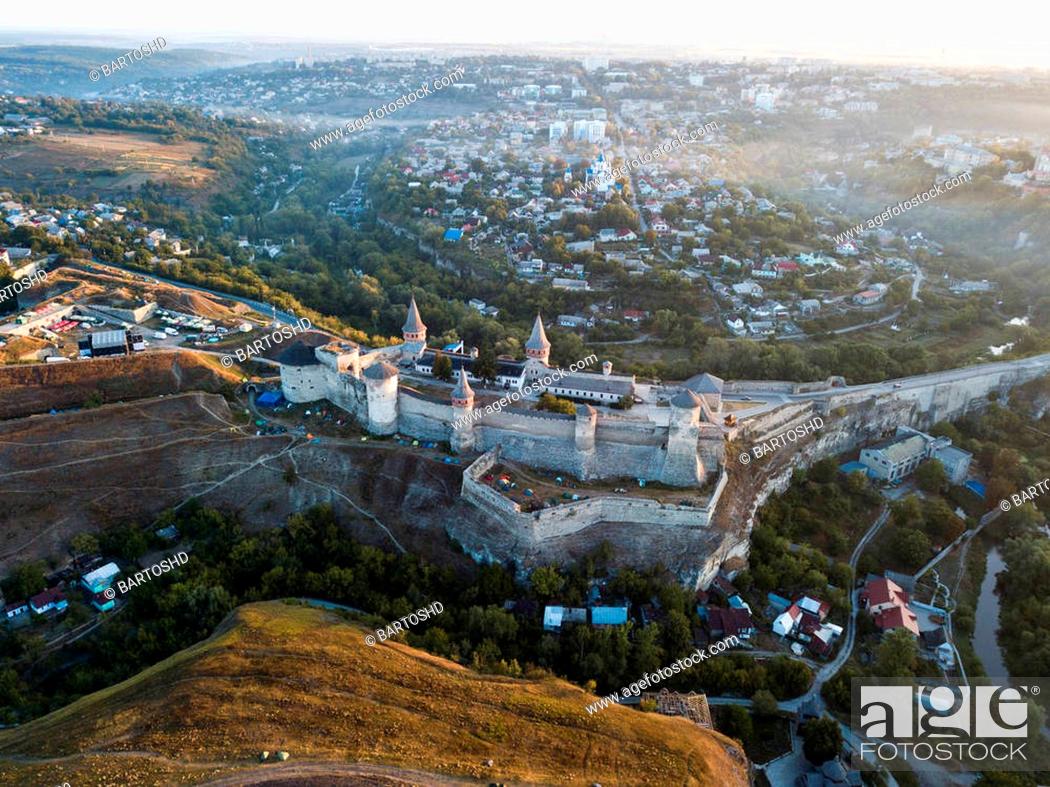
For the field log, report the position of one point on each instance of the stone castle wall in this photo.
(422, 416)
(571, 517)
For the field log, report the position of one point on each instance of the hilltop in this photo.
(280, 676)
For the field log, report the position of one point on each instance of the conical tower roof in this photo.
(462, 389)
(538, 339)
(413, 323)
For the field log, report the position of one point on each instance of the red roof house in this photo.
(887, 603)
(730, 622)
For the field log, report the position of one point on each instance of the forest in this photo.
(313, 557)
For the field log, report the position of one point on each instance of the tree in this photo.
(27, 579)
(931, 477)
(442, 369)
(763, 703)
(485, 365)
(898, 655)
(736, 723)
(910, 546)
(821, 739)
(82, 544)
(556, 405)
(547, 582)
(678, 634)
(626, 402)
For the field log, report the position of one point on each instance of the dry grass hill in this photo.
(279, 676)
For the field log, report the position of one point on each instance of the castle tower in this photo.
(586, 424)
(381, 388)
(682, 466)
(341, 356)
(537, 351)
(414, 332)
(462, 439)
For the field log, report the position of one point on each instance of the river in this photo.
(987, 619)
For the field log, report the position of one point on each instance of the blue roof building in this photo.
(608, 616)
(779, 603)
(453, 235)
(101, 578)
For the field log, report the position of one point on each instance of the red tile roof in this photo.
(897, 617)
(729, 621)
(884, 591)
(49, 596)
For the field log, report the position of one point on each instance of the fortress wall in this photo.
(613, 460)
(533, 422)
(772, 423)
(550, 453)
(488, 499)
(571, 517)
(302, 384)
(349, 393)
(770, 386)
(564, 519)
(422, 416)
(642, 433)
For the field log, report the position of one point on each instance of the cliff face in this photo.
(300, 679)
(851, 420)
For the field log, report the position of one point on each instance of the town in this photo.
(612, 358)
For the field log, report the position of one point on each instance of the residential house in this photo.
(887, 603)
(608, 616)
(730, 622)
(736, 325)
(572, 321)
(101, 578)
(808, 306)
(555, 617)
(48, 600)
(867, 297)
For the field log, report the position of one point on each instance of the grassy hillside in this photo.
(39, 387)
(282, 676)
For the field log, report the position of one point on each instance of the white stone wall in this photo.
(422, 417)
(302, 384)
(570, 517)
(382, 405)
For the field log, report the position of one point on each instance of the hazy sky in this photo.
(948, 32)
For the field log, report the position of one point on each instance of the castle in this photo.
(681, 444)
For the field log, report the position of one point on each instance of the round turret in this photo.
(462, 394)
(380, 371)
